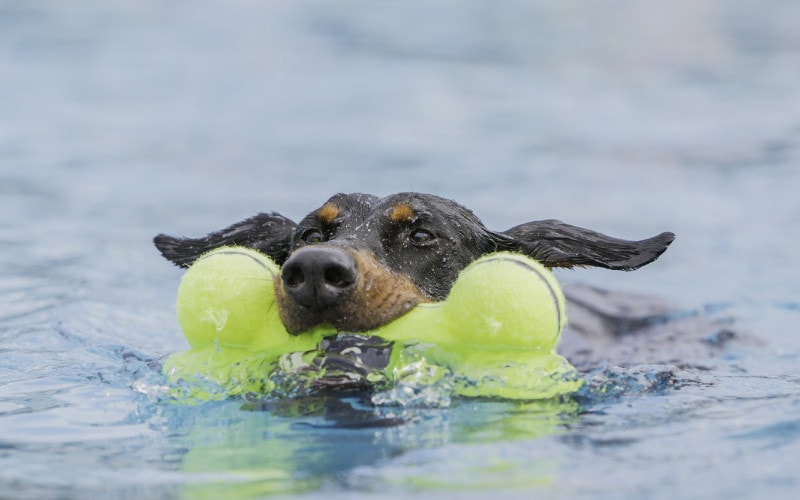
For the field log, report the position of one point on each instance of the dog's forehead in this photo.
(404, 206)
(353, 213)
(340, 207)
(409, 207)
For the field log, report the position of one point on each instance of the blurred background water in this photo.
(120, 120)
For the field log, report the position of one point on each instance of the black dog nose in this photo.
(319, 277)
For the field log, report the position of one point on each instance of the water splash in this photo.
(418, 383)
(613, 382)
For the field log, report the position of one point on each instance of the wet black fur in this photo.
(431, 248)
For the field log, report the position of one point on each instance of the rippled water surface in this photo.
(120, 120)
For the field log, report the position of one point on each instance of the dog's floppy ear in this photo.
(556, 244)
(269, 233)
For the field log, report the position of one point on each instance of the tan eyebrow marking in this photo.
(402, 212)
(328, 213)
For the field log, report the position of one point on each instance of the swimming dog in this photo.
(360, 261)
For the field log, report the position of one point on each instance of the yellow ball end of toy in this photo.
(506, 299)
(227, 299)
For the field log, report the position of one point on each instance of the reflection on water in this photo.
(305, 444)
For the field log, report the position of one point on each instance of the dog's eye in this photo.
(312, 236)
(421, 236)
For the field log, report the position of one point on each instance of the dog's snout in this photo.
(319, 277)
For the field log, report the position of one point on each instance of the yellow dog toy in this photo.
(494, 336)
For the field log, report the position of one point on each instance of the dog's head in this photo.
(360, 261)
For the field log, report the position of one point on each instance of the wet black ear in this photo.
(268, 233)
(556, 244)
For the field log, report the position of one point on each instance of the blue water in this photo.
(120, 120)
